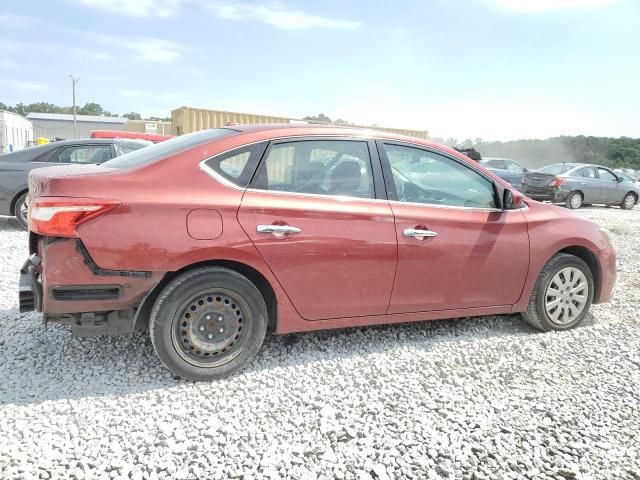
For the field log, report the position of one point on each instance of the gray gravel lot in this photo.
(470, 398)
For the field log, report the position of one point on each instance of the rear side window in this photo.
(319, 167)
(238, 165)
(168, 148)
(588, 172)
(84, 154)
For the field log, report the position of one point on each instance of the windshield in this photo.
(167, 148)
(556, 168)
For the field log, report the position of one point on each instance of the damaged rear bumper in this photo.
(29, 286)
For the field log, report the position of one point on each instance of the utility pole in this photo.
(74, 80)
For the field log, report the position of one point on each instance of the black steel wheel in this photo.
(207, 323)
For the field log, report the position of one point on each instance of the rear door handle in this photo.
(277, 229)
(583, 183)
(418, 233)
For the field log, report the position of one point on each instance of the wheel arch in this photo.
(584, 254)
(254, 276)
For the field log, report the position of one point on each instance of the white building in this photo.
(60, 125)
(16, 132)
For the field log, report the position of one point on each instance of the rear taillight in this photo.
(59, 217)
(557, 182)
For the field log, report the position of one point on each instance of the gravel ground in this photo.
(469, 398)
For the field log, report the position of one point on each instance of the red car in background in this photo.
(152, 137)
(293, 228)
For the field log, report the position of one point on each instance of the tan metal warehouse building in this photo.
(188, 119)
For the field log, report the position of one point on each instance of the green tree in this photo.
(91, 109)
(132, 116)
(321, 118)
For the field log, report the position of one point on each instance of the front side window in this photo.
(320, 167)
(421, 176)
(84, 154)
(606, 175)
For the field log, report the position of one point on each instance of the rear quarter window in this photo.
(238, 165)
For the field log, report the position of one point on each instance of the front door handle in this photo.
(277, 229)
(418, 233)
(583, 183)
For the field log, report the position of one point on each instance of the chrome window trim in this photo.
(318, 195)
(228, 183)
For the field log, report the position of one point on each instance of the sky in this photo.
(490, 69)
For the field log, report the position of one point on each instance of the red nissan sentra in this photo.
(211, 238)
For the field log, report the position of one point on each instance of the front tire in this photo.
(562, 294)
(574, 200)
(628, 201)
(207, 323)
(21, 211)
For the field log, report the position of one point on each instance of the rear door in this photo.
(456, 249)
(317, 213)
(589, 184)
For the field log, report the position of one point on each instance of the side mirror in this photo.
(511, 200)
(525, 169)
(619, 179)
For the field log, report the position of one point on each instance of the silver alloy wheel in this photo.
(576, 200)
(566, 296)
(23, 211)
(629, 201)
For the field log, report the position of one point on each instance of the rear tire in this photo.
(21, 211)
(562, 294)
(208, 323)
(574, 200)
(628, 201)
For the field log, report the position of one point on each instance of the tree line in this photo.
(87, 109)
(622, 152)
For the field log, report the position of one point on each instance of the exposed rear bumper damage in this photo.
(61, 279)
(29, 286)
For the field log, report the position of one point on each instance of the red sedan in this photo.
(212, 238)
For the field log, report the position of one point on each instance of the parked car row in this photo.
(294, 228)
(574, 184)
(15, 166)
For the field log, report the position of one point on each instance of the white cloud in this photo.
(132, 93)
(24, 85)
(536, 6)
(137, 8)
(278, 15)
(490, 119)
(87, 54)
(154, 50)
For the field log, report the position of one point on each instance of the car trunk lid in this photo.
(537, 179)
(64, 181)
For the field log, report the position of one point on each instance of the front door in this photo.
(611, 191)
(313, 215)
(456, 249)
